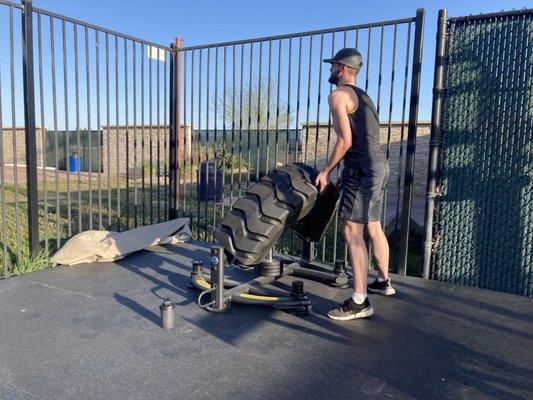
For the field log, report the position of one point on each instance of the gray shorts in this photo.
(362, 192)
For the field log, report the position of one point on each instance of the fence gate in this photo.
(482, 233)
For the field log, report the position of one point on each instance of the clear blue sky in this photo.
(208, 21)
(203, 22)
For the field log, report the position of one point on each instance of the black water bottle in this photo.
(167, 313)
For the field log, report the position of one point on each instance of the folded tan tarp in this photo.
(102, 246)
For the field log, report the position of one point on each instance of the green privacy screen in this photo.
(483, 231)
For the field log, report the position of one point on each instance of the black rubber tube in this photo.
(325, 277)
(316, 266)
(282, 302)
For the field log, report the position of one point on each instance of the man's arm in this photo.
(341, 124)
(338, 104)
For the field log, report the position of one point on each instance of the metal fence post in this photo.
(411, 140)
(175, 125)
(177, 110)
(29, 124)
(172, 134)
(438, 79)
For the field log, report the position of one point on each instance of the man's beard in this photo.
(334, 79)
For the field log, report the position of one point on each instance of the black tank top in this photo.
(364, 122)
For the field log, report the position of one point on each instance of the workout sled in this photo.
(286, 197)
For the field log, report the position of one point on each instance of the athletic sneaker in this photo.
(385, 287)
(349, 309)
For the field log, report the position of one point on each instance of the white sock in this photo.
(381, 280)
(359, 298)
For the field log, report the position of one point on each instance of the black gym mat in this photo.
(91, 332)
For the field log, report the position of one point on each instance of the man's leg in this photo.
(353, 234)
(380, 248)
(358, 305)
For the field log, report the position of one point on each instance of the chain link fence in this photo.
(483, 228)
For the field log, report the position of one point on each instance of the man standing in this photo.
(364, 178)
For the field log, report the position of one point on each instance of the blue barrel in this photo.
(75, 163)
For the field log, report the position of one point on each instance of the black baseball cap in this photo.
(348, 56)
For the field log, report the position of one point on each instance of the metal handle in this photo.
(217, 277)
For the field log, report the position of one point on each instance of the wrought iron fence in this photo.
(253, 97)
(112, 132)
(101, 130)
(88, 126)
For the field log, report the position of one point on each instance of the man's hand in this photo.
(322, 181)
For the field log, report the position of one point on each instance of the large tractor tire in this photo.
(273, 204)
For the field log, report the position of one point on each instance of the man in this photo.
(364, 178)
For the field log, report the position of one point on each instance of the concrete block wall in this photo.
(14, 146)
(126, 154)
(322, 147)
(123, 150)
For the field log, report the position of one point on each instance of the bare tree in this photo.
(259, 108)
